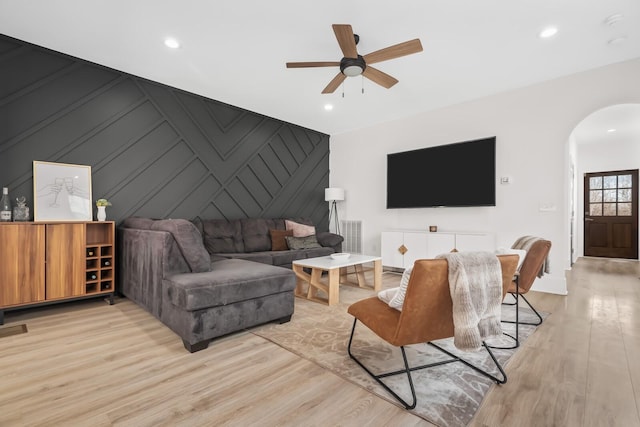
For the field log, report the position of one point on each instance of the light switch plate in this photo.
(547, 207)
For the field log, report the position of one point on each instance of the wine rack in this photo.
(100, 258)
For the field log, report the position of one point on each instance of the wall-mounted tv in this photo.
(461, 174)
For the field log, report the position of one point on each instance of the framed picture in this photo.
(61, 192)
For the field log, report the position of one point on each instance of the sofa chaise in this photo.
(164, 267)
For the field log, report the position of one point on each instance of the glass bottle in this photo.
(21, 211)
(5, 206)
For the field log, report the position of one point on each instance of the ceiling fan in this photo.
(354, 64)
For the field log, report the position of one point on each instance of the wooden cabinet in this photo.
(401, 248)
(46, 262)
(22, 264)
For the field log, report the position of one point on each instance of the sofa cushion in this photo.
(255, 233)
(221, 235)
(285, 258)
(295, 243)
(314, 252)
(326, 238)
(185, 234)
(278, 242)
(232, 280)
(189, 242)
(137, 222)
(264, 257)
(300, 230)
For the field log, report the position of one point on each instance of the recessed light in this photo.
(172, 43)
(548, 32)
(328, 107)
(611, 130)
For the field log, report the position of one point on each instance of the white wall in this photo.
(532, 126)
(611, 156)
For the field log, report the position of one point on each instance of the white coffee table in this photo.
(337, 274)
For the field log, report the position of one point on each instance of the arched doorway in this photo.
(605, 142)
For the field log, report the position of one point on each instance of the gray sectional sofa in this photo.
(252, 239)
(166, 267)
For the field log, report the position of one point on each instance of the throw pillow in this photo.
(307, 242)
(278, 242)
(507, 251)
(386, 295)
(398, 300)
(299, 230)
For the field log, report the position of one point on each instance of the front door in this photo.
(611, 214)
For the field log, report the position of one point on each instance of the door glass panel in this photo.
(595, 182)
(624, 181)
(624, 195)
(595, 196)
(609, 209)
(595, 209)
(610, 181)
(624, 209)
(610, 195)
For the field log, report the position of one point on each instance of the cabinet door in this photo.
(440, 243)
(416, 244)
(65, 260)
(21, 264)
(390, 244)
(475, 242)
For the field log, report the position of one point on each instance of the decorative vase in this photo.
(102, 213)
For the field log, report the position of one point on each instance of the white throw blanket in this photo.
(525, 243)
(475, 283)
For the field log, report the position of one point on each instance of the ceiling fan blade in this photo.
(395, 51)
(333, 84)
(377, 76)
(346, 40)
(312, 64)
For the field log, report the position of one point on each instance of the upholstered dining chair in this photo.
(426, 316)
(533, 266)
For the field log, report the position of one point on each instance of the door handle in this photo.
(588, 219)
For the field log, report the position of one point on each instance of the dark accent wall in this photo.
(154, 150)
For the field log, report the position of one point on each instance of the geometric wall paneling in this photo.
(154, 150)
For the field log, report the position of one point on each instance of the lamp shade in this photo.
(331, 194)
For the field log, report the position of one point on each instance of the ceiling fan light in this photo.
(351, 67)
(352, 71)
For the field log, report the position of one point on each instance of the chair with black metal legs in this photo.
(533, 266)
(427, 315)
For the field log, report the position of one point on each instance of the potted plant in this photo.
(102, 205)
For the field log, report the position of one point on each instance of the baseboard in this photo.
(551, 284)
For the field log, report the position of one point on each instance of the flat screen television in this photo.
(461, 174)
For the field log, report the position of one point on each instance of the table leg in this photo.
(314, 283)
(301, 279)
(377, 275)
(334, 286)
(362, 282)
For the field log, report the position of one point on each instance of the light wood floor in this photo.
(88, 363)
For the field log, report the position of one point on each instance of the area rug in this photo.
(447, 395)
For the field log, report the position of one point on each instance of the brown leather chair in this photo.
(427, 315)
(532, 267)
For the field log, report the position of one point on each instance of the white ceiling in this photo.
(235, 51)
